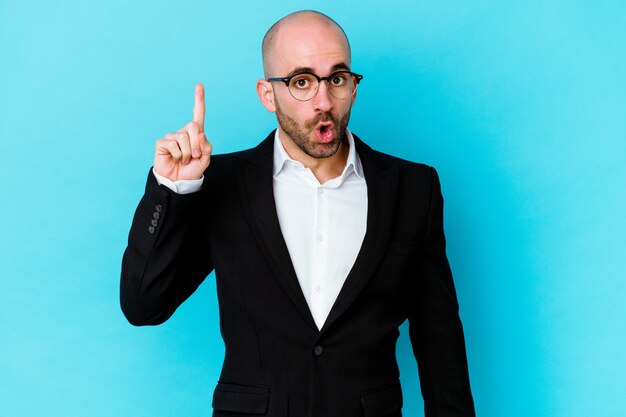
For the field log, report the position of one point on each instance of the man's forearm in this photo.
(162, 265)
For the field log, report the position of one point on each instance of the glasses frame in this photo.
(287, 80)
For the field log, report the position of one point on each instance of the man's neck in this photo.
(324, 169)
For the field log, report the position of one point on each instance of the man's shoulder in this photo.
(385, 160)
(255, 154)
(401, 163)
(231, 157)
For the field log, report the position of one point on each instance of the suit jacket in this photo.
(277, 363)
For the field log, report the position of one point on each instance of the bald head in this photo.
(301, 22)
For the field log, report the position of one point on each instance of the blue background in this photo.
(521, 106)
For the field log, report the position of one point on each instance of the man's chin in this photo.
(322, 150)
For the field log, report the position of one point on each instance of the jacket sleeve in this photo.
(167, 255)
(435, 328)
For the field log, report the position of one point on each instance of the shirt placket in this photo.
(320, 262)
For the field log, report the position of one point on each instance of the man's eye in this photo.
(301, 83)
(338, 79)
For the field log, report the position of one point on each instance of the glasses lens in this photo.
(303, 86)
(341, 84)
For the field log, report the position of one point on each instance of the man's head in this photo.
(307, 42)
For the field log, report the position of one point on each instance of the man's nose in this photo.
(323, 100)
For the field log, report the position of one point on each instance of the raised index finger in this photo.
(198, 107)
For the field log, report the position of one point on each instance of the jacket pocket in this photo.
(383, 401)
(241, 398)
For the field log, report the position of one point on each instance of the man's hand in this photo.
(184, 155)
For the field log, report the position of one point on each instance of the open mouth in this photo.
(325, 133)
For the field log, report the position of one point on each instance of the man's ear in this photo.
(266, 94)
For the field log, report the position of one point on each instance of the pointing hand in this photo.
(185, 154)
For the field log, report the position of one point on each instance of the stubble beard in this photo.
(300, 136)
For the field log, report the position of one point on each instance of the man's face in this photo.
(316, 126)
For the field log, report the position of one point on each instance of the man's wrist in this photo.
(180, 186)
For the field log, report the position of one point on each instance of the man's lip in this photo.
(326, 135)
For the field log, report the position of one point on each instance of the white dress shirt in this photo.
(323, 224)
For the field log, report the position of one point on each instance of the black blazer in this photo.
(277, 363)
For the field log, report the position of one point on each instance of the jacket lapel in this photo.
(382, 184)
(257, 193)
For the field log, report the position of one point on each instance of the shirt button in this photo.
(158, 208)
(320, 237)
(156, 215)
(318, 350)
(155, 223)
(151, 230)
(320, 190)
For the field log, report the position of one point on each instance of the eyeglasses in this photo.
(303, 87)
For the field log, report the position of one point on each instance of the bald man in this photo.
(321, 247)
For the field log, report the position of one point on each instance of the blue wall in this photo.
(521, 106)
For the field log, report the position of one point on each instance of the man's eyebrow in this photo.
(340, 66)
(308, 70)
(300, 70)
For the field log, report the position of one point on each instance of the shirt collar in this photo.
(353, 163)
